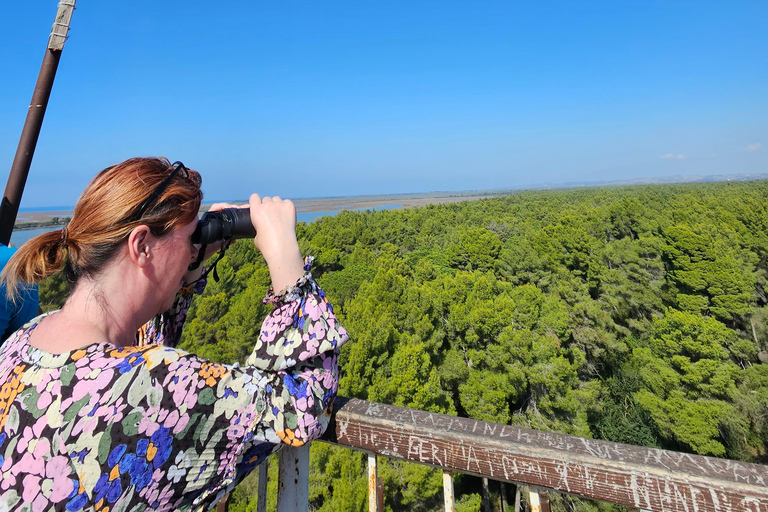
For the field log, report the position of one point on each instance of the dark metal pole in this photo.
(17, 178)
(29, 134)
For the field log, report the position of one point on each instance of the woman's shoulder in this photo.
(100, 354)
(151, 358)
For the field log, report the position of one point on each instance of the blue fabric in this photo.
(14, 315)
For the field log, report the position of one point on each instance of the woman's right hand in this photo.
(275, 222)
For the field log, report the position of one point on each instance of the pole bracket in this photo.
(61, 25)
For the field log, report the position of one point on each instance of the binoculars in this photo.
(229, 223)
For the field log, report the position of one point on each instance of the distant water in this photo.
(47, 209)
(310, 216)
(19, 237)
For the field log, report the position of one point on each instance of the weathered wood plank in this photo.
(643, 478)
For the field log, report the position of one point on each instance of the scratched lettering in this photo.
(342, 428)
(647, 479)
(654, 456)
(750, 503)
(562, 472)
(598, 450)
(471, 456)
(640, 493)
(435, 457)
(679, 494)
(415, 448)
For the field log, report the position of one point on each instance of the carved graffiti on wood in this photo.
(642, 478)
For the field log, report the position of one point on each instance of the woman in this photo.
(91, 421)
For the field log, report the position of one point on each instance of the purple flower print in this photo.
(112, 413)
(314, 309)
(277, 322)
(32, 465)
(307, 426)
(312, 343)
(181, 423)
(31, 485)
(148, 423)
(318, 330)
(183, 386)
(203, 428)
(58, 470)
(30, 434)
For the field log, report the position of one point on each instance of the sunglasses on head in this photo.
(176, 168)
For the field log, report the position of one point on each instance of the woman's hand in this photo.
(275, 223)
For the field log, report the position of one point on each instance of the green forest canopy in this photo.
(631, 314)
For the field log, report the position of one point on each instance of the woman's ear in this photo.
(140, 245)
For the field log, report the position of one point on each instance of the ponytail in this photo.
(34, 261)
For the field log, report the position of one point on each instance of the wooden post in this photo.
(293, 479)
(539, 499)
(533, 498)
(504, 500)
(448, 491)
(486, 503)
(261, 497)
(222, 505)
(373, 485)
(17, 178)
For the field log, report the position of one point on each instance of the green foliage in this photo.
(245, 496)
(618, 417)
(342, 286)
(746, 434)
(411, 487)
(413, 381)
(477, 249)
(707, 271)
(688, 379)
(53, 291)
(634, 314)
(469, 503)
(338, 479)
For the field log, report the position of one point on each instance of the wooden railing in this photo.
(641, 478)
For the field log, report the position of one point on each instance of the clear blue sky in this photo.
(312, 99)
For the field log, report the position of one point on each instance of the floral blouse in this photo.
(155, 428)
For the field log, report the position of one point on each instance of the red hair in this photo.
(101, 222)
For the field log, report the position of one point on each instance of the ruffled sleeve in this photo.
(301, 327)
(297, 351)
(282, 395)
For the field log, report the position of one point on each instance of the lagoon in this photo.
(312, 216)
(20, 237)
